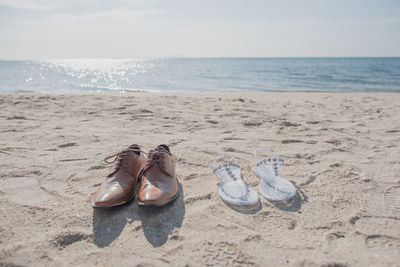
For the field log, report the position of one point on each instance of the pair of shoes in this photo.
(154, 175)
(232, 189)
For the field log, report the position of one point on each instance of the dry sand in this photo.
(341, 151)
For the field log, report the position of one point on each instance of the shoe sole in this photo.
(159, 204)
(125, 202)
(115, 205)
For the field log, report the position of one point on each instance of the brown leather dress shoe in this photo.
(119, 187)
(159, 185)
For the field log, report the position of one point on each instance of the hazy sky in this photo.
(32, 29)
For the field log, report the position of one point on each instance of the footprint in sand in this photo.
(62, 241)
(392, 199)
(385, 241)
(222, 253)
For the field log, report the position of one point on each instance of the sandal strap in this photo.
(226, 166)
(214, 166)
(274, 161)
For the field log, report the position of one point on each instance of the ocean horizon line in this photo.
(211, 57)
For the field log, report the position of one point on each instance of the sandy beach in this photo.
(341, 150)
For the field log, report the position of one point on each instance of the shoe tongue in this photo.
(163, 147)
(136, 147)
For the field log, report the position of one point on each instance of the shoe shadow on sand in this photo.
(295, 203)
(157, 222)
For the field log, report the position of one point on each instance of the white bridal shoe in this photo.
(273, 186)
(232, 189)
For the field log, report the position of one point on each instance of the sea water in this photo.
(201, 74)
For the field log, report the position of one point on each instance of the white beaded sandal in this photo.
(273, 187)
(232, 189)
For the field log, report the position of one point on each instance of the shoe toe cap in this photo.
(111, 198)
(151, 196)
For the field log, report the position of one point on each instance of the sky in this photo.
(45, 29)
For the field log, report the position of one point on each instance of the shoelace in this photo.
(120, 156)
(153, 158)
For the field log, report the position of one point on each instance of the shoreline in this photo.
(193, 93)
